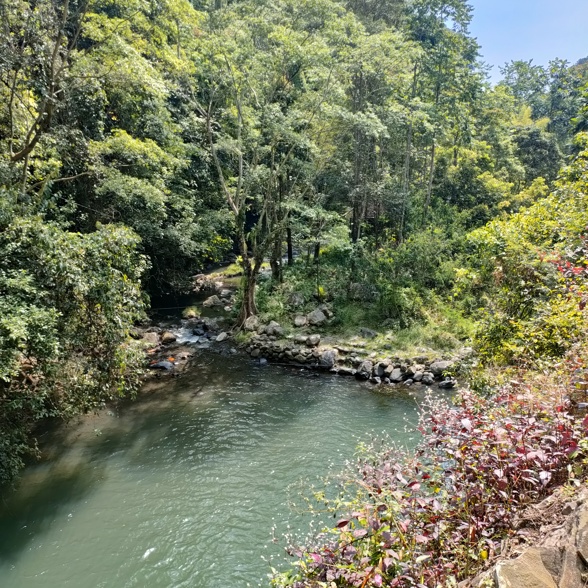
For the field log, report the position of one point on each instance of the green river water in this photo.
(182, 487)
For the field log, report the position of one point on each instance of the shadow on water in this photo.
(171, 418)
(24, 514)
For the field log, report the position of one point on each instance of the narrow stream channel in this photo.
(182, 487)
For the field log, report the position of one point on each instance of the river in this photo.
(182, 487)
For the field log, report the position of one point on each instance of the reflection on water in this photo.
(182, 487)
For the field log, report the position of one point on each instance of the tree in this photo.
(67, 303)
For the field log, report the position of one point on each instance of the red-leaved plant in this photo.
(438, 514)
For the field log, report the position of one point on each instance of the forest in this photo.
(353, 151)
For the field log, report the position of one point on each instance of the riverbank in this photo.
(170, 347)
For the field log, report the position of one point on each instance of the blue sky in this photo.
(530, 29)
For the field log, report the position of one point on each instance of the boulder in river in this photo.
(448, 384)
(313, 340)
(222, 337)
(364, 371)
(168, 337)
(162, 365)
(438, 367)
(328, 358)
(151, 339)
(428, 379)
(396, 375)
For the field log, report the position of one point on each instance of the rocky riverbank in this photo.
(170, 347)
(308, 348)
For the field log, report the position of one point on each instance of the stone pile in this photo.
(306, 350)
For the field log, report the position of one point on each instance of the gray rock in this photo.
(296, 300)
(466, 352)
(300, 339)
(552, 560)
(328, 358)
(368, 333)
(222, 337)
(438, 367)
(168, 338)
(428, 379)
(151, 338)
(262, 361)
(448, 384)
(251, 323)
(380, 370)
(316, 317)
(571, 573)
(162, 365)
(255, 353)
(326, 310)
(346, 371)
(273, 328)
(418, 376)
(225, 293)
(313, 340)
(420, 359)
(300, 321)
(396, 375)
(365, 370)
(582, 533)
(213, 300)
(527, 571)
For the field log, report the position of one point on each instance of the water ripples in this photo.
(181, 490)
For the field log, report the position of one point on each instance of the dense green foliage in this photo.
(141, 141)
(66, 304)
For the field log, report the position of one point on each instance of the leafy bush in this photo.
(434, 516)
(67, 303)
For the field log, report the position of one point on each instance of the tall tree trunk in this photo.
(407, 158)
(317, 251)
(405, 183)
(276, 260)
(290, 247)
(248, 305)
(356, 223)
(430, 184)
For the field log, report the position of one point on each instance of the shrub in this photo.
(435, 516)
(67, 304)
